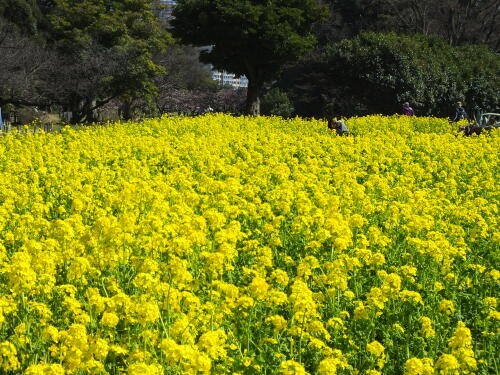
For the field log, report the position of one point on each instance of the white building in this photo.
(229, 79)
(166, 13)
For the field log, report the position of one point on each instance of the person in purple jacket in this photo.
(407, 110)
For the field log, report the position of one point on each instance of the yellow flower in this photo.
(447, 364)
(329, 365)
(144, 369)
(377, 350)
(398, 328)
(292, 368)
(247, 361)
(461, 345)
(245, 302)
(45, 369)
(109, 320)
(409, 295)
(427, 330)
(279, 276)
(490, 302)
(446, 306)
(316, 328)
(258, 288)
(212, 342)
(118, 350)
(349, 294)
(417, 366)
(361, 311)
(8, 357)
(493, 315)
(21, 275)
(376, 298)
(279, 323)
(438, 286)
(204, 238)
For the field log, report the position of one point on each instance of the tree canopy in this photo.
(254, 38)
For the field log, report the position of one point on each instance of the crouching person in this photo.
(470, 129)
(339, 126)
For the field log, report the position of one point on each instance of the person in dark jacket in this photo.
(470, 129)
(460, 113)
(2, 128)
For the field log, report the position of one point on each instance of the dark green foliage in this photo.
(130, 24)
(22, 14)
(79, 55)
(382, 71)
(276, 103)
(480, 70)
(377, 73)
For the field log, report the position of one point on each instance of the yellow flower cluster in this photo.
(224, 245)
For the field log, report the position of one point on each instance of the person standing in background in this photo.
(407, 110)
(460, 113)
(2, 126)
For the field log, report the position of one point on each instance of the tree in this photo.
(183, 70)
(381, 71)
(82, 86)
(22, 65)
(195, 102)
(254, 38)
(117, 39)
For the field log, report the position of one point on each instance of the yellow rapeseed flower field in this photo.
(224, 245)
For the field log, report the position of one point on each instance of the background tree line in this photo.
(308, 57)
(373, 55)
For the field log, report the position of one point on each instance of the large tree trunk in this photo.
(88, 110)
(126, 109)
(253, 97)
(76, 111)
(85, 110)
